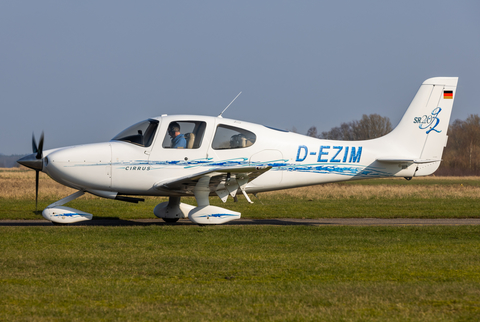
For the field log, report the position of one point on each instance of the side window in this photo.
(184, 135)
(230, 137)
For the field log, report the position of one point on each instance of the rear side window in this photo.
(230, 137)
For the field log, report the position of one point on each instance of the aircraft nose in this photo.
(81, 166)
(31, 161)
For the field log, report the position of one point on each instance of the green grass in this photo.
(268, 208)
(240, 273)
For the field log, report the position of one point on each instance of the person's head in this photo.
(174, 129)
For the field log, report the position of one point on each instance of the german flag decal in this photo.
(448, 95)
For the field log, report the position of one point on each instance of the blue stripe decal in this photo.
(218, 215)
(71, 214)
(350, 170)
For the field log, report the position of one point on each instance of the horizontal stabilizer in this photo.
(400, 160)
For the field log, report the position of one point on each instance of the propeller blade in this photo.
(34, 144)
(37, 172)
(40, 147)
(29, 161)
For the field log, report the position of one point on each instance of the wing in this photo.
(224, 181)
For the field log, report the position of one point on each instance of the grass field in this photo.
(188, 273)
(245, 273)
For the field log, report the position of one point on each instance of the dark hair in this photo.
(174, 127)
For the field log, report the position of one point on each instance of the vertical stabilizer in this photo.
(422, 133)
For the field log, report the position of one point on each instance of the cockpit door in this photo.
(185, 152)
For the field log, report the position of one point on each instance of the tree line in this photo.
(369, 127)
(461, 157)
(9, 161)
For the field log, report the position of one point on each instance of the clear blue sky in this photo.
(82, 71)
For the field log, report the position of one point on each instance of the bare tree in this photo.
(462, 154)
(312, 131)
(472, 140)
(369, 127)
(293, 129)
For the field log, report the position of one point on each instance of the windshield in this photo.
(141, 134)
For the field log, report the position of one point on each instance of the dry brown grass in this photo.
(434, 177)
(20, 184)
(339, 191)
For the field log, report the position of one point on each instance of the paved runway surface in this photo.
(276, 222)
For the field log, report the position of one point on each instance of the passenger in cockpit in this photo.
(178, 140)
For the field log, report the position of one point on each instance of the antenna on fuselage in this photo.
(229, 104)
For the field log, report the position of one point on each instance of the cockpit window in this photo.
(184, 135)
(141, 134)
(230, 137)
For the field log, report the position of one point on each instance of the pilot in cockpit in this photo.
(178, 140)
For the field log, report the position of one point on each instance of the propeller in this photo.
(39, 152)
(35, 161)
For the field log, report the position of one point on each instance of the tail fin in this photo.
(422, 133)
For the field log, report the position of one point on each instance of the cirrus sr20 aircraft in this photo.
(202, 156)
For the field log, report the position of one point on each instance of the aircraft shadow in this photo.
(157, 222)
(114, 221)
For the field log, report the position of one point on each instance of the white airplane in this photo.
(224, 157)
